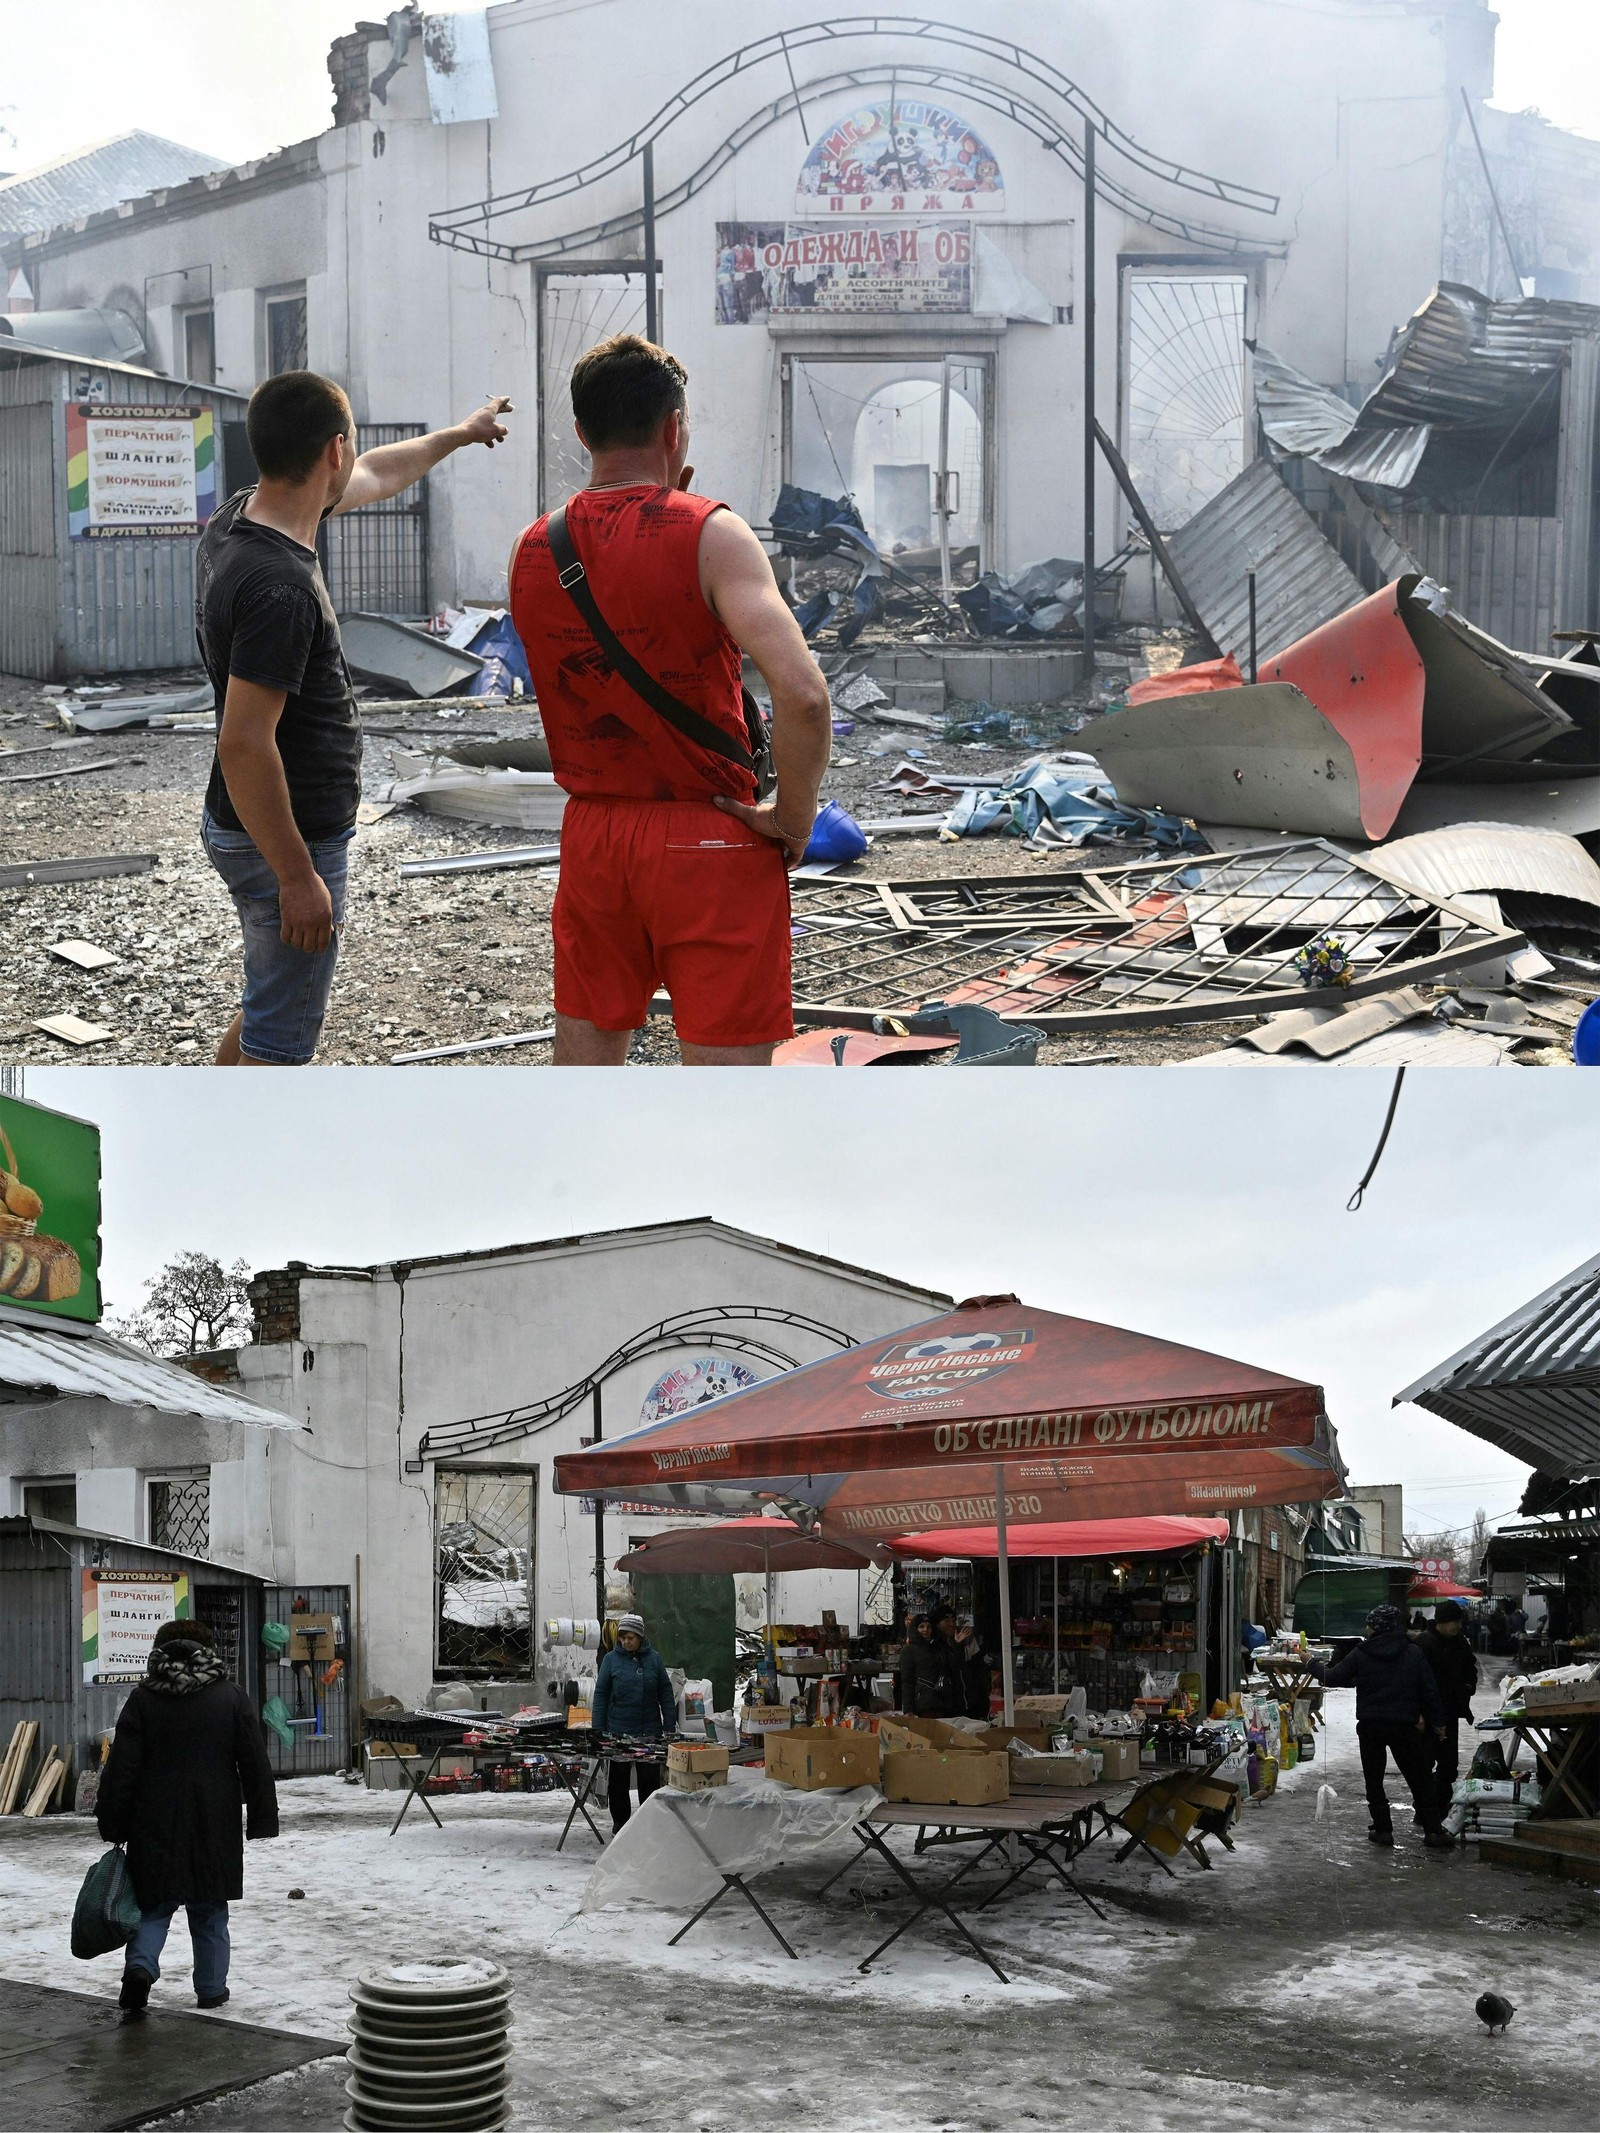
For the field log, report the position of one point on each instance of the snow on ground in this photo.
(1310, 1977)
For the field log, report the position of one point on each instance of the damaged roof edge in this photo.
(1542, 1322)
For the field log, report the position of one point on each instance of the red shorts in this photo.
(676, 894)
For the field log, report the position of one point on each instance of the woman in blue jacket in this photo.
(633, 1701)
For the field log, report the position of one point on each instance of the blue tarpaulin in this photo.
(1077, 800)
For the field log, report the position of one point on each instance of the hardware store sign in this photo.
(139, 470)
(122, 1610)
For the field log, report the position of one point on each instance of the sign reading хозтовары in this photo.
(139, 470)
(122, 1610)
(49, 1211)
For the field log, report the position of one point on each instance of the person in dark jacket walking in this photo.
(918, 1632)
(633, 1701)
(1445, 1647)
(977, 1676)
(188, 1753)
(1399, 1712)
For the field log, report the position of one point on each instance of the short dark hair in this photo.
(290, 420)
(623, 390)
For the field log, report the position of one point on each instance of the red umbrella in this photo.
(741, 1544)
(1441, 1589)
(990, 1384)
(1074, 1538)
(991, 1414)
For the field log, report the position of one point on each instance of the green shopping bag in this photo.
(106, 1914)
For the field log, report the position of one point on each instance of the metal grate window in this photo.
(376, 559)
(1185, 376)
(483, 1570)
(286, 334)
(180, 1514)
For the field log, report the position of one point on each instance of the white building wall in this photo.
(390, 1358)
(1345, 110)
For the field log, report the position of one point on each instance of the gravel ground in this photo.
(425, 964)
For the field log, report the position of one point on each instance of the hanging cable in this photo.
(1354, 1202)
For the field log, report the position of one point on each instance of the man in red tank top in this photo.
(674, 873)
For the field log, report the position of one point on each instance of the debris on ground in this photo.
(378, 648)
(468, 792)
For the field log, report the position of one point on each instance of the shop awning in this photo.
(739, 1544)
(911, 1431)
(1074, 1538)
(1429, 1589)
(53, 1365)
(1532, 1383)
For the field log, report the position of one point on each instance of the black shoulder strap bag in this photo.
(693, 725)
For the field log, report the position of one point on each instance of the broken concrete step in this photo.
(927, 697)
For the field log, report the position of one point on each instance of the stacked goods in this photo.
(693, 1766)
(33, 1269)
(35, 1794)
(430, 2048)
(816, 1758)
(1490, 1807)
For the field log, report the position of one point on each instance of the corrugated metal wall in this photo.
(1504, 574)
(41, 1630)
(70, 608)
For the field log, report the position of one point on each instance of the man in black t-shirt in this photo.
(281, 805)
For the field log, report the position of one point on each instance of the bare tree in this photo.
(1435, 1547)
(194, 1303)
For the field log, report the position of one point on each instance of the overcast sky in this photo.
(237, 77)
(1206, 1206)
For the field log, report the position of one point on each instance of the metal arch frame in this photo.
(448, 225)
(445, 230)
(687, 1329)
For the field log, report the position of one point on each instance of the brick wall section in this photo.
(351, 71)
(275, 1303)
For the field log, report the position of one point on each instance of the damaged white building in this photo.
(869, 237)
(408, 1489)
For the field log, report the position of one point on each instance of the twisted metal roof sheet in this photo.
(1532, 1383)
(1256, 524)
(72, 1366)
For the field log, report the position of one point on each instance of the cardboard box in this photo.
(761, 1718)
(939, 1733)
(692, 1755)
(695, 1780)
(941, 1778)
(813, 1758)
(1119, 1759)
(1068, 1772)
(1041, 1710)
(1002, 1737)
(393, 1773)
(391, 1747)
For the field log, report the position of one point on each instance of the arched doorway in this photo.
(895, 457)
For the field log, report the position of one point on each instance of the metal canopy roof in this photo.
(1532, 1383)
(37, 1359)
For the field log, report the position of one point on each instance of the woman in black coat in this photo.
(188, 1753)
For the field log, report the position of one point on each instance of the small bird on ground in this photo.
(1494, 2010)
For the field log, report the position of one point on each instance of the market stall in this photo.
(1100, 1604)
(994, 1413)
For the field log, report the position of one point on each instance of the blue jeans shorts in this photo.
(285, 990)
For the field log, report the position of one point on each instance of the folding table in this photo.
(731, 1882)
(1052, 1828)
